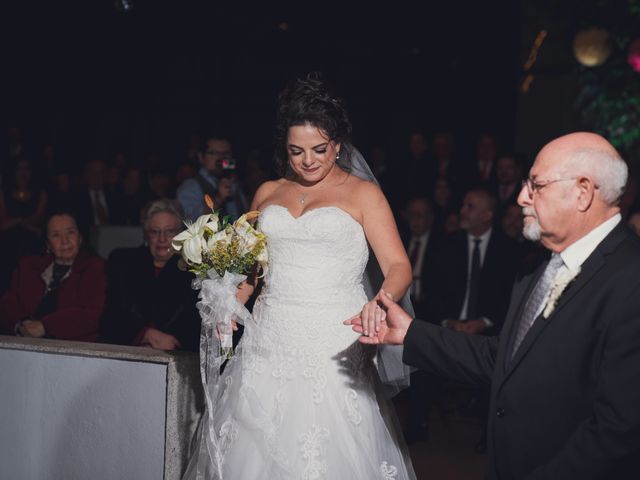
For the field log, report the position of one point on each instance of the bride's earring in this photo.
(337, 156)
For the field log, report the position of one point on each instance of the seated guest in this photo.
(475, 272)
(60, 193)
(22, 209)
(485, 171)
(512, 222)
(58, 295)
(22, 202)
(422, 245)
(443, 203)
(216, 162)
(160, 184)
(509, 177)
(129, 199)
(93, 201)
(149, 299)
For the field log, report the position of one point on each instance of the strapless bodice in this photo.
(316, 257)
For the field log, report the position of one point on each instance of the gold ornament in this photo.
(592, 46)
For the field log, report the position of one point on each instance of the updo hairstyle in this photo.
(308, 102)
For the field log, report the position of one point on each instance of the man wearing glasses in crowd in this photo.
(215, 178)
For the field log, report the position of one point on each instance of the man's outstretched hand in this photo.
(392, 329)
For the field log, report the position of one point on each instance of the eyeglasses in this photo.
(218, 153)
(533, 186)
(168, 233)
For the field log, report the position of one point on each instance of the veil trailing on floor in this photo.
(393, 373)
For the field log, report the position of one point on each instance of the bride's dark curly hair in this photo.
(307, 101)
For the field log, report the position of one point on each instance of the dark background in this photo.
(94, 77)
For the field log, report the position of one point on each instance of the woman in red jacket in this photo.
(58, 295)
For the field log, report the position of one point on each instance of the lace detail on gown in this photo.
(302, 398)
(313, 444)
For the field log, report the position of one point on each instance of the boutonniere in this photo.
(558, 287)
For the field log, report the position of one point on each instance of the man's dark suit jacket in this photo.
(567, 406)
(496, 279)
(427, 272)
(83, 208)
(138, 299)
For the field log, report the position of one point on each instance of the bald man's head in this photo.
(589, 155)
(574, 185)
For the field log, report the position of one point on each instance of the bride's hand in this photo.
(245, 290)
(372, 315)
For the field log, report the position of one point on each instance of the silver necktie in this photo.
(536, 299)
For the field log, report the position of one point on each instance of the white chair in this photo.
(104, 239)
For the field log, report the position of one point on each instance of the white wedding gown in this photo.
(301, 399)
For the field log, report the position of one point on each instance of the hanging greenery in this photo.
(609, 95)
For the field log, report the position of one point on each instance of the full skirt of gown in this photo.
(301, 398)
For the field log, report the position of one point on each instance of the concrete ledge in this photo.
(122, 394)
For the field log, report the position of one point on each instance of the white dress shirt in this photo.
(98, 198)
(575, 254)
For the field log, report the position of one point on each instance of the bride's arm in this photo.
(382, 233)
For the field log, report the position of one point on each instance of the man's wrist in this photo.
(388, 294)
(406, 329)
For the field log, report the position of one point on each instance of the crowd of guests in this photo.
(52, 283)
(459, 218)
(458, 215)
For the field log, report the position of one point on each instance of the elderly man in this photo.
(565, 372)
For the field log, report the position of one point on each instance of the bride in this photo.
(301, 398)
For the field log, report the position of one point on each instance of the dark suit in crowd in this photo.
(93, 208)
(139, 296)
(497, 273)
(422, 294)
(425, 387)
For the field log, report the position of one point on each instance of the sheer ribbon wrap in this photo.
(394, 374)
(218, 307)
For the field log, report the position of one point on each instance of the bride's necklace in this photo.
(304, 195)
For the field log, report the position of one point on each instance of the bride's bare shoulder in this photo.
(266, 190)
(363, 190)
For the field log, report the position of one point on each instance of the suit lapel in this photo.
(590, 267)
(489, 253)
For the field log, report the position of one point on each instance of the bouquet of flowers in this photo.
(221, 254)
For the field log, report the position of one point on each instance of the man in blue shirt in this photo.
(212, 179)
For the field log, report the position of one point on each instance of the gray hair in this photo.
(607, 170)
(166, 205)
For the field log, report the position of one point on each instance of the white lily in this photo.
(248, 239)
(245, 232)
(221, 236)
(192, 239)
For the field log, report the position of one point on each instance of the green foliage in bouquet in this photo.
(231, 255)
(214, 243)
